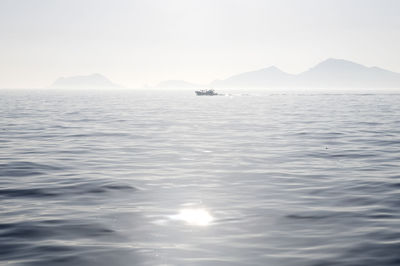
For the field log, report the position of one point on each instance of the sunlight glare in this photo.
(199, 217)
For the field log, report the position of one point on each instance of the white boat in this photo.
(206, 93)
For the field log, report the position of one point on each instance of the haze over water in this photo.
(168, 178)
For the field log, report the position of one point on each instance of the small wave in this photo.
(320, 215)
(52, 229)
(35, 192)
(366, 254)
(62, 191)
(21, 168)
(307, 217)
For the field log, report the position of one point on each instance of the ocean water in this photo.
(168, 178)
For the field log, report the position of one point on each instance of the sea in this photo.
(168, 178)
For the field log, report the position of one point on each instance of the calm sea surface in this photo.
(149, 178)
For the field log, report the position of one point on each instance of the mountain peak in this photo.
(271, 68)
(269, 76)
(334, 60)
(330, 73)
(338, 62)
(334, 64)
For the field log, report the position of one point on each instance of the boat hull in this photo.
(206, 93)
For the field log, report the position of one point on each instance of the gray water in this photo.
(150, 178)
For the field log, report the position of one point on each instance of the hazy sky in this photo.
(138, 42)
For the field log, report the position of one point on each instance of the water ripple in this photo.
(157, 178)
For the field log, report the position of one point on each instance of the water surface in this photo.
(167, 178)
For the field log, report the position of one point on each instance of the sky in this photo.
(143, 42)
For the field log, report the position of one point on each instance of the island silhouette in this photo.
(331, 73)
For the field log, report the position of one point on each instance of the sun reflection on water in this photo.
(198, 217)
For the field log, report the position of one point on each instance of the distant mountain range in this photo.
(331, 73)
(266, 77)
(84, 82)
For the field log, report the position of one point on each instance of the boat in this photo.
(206, 93)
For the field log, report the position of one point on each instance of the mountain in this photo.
(331, 73)
(177, 84)
(84, 82)
(271, 76)
(341, 73)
